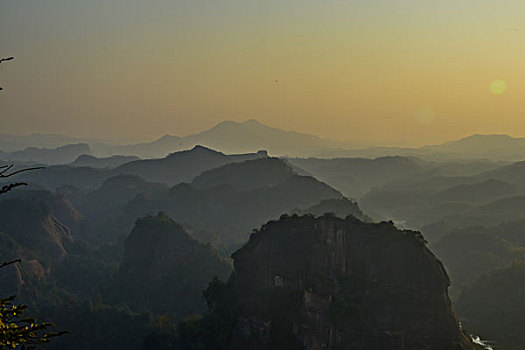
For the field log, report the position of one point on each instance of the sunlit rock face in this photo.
(328, 283)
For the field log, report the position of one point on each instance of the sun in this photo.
(498, 86)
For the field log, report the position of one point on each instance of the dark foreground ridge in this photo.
(327, 283)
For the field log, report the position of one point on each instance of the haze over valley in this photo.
(314, 175)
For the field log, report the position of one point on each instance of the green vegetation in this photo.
(17, 331)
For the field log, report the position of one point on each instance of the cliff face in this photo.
(58, 205)
(32, 226)
(328, 283)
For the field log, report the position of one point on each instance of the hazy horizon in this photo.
(388, 73)
(135, 140)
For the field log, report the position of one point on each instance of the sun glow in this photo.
(498, 87)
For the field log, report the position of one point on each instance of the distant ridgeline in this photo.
(328, 283)
(241, 137)
(219, 198)
(302, 281)
(87, 173)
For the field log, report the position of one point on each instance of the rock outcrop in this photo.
(328, 283)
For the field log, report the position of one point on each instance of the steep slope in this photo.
(57, 205)
(165, 269)
(328, 283)
(33, 227)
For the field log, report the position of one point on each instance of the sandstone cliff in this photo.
(328, 283)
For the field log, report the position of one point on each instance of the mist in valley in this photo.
(249, 175)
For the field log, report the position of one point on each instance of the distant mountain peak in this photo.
(252, 122)
(167, 137)
(197, 149)
(200, 148)
(487, 136)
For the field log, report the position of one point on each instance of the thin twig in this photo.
(7, 167)
(10, 263)
(3, 172)
(7, 188)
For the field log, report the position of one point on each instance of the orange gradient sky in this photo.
(393, 72)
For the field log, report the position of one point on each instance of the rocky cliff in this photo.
(328, 283)
(33, 227)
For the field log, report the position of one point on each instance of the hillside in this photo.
(182, 166)
(223, 205)
(177, 167)
(356, 176)
(248, 175)
(32, 226)
(58, 206)
(115, 193)
(165, 269)
(494, 306)
(468, 253)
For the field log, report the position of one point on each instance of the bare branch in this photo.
(7, 188)
(3, 172)
(6, 59)
(10, 263)
(5, 168)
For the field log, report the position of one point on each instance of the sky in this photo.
(382, 72)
